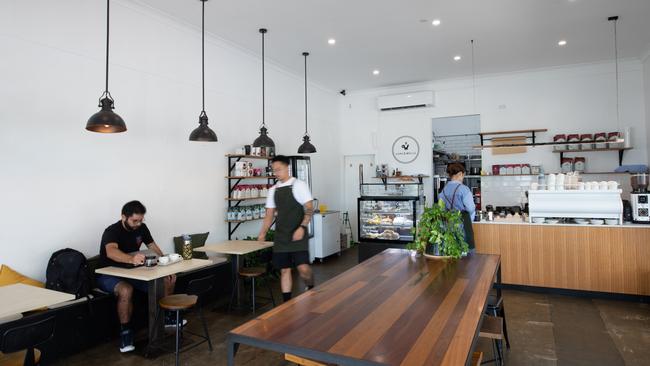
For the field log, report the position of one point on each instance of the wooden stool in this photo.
(303, 361)
(18, 358)
(477, 357)
(252, 273)
(492, 328)
(177, 303)
(495, 308)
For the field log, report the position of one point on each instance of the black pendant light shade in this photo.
(263, 140)
(203, 132)
(306, 147)
(106, 121)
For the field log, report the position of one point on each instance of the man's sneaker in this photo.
(170, 321)
(126, 341)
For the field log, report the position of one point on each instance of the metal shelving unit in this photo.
(233, 181)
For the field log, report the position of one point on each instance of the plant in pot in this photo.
(439, 233)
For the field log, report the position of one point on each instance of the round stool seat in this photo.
(178, 302)
(18, 358)
(252, 271)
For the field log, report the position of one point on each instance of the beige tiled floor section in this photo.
(592, 332)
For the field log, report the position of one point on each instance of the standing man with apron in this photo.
(458, 196)
(291, 200)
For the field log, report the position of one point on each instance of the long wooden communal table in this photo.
(393, 309)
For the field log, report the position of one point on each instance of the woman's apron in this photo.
(467, 220)
(290, 214)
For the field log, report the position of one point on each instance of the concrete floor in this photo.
(544, 330)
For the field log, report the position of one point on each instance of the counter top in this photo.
(626, 225)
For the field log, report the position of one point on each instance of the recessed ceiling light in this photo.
(375, 72)
(331, 41)
(436, 22)
(561, 43)
(457, 58)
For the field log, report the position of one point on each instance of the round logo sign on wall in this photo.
(406, 149)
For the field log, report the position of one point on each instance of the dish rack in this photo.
(575, 204)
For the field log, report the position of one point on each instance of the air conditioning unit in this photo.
(421, 99)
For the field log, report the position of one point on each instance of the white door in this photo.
(351, 172)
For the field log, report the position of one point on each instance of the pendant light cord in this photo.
(203, 56)
(263, 31)
(473, 78)
(108, 12)
(305, 54)
(618, 115)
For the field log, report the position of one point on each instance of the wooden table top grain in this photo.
(236, 247)
(19, 298)
(393, 309)
(143, 273)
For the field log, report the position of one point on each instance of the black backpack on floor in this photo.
(67, 271)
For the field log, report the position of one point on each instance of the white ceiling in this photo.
(390, 35)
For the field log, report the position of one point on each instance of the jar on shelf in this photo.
(525, 169)
(612, 140)
(516, 169)
(503, 169)
(558, 139)
(510, 169)
(601, 140)
(586, 140)
(579, 164)
(574, 138)
(567, 165)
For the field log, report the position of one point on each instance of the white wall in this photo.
(578, 98)
(61, 185)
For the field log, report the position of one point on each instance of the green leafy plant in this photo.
(440, 232)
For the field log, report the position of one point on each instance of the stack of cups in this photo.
(559, 182)
(550, 182)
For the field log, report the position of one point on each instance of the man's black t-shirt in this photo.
(127, 241)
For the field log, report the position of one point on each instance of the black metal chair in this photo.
(201, 287)
(19, 340)
(495, 307)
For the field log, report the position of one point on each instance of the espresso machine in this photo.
(640, 199)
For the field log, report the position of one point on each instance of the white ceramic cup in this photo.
(551, 187)
(174, 256)
(602, 186)
(581, 186)
(612, 185)
(163, 260)
(534, 186)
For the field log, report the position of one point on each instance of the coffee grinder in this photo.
(640, 198)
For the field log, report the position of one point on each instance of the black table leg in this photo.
(232, 351)
(499, 282)
(156, 323)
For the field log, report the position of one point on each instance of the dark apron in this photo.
(467, 220)
(290, 214)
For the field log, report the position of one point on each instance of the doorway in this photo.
(351, 184)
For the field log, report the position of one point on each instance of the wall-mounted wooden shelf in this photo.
(245, 199)
(254, 177)
(620, 150)
(249, 157)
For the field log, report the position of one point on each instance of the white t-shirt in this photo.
(300, 192)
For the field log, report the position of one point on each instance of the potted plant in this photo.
(439, 233)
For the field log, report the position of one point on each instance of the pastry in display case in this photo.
(387, 218)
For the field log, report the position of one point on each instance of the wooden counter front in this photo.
(603, 259)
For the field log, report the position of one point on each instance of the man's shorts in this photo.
(290, 259)
(107, 283)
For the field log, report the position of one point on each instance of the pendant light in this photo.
(263, 140)
(614, 19)
(203, 132)
(306, 147)
(106, 121)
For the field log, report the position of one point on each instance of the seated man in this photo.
(118, 241)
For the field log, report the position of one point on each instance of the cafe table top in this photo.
(236, 247)
(393, 309)
(143, 273)
(19, 298)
